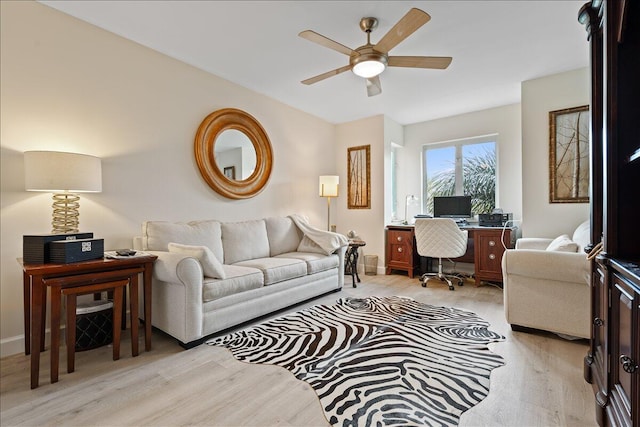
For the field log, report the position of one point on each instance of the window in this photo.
(461, 167)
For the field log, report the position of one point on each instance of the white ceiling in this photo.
(495, 45)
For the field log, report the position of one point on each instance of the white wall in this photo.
(503, 121)
(539, 97)
(368, 223)
(69, 86)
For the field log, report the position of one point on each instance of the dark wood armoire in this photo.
(611, 366)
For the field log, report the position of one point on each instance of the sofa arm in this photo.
(177, 268)
(533, 243)
(177, 295)
(547, 265)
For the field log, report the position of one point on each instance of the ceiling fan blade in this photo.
(438, 62)
(409, 23)
(326, 42)
(373, 86)
(326, 75)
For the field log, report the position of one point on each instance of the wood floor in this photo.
(540, 385)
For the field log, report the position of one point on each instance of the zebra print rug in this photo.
(379, 360)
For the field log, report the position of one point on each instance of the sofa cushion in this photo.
(210, 264)
(238, 279)
(244, 240)
(283, 235)
(157, 235)
(277, 269)
(315, 262)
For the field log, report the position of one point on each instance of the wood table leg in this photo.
(148, 268)
(26, 294)
(71, 332)
(133, 308)
(117, 319)
(36, 331)
(55, 332)
(43, 316)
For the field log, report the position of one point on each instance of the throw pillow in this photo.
(563, 244)
(211, 266)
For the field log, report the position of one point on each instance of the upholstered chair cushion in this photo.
(563, 244)
(210, 264)
(582, 235)
(440, 238)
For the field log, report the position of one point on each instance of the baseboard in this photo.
(12, 345)
(15, 345)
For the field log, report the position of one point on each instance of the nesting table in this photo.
(37, 277)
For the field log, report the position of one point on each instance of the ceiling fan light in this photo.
(368, 69)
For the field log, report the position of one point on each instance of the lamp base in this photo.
(66, 213)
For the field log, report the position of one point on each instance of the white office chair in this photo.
(440, 238)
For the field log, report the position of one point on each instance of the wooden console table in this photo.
(100, 270)
(484, 250)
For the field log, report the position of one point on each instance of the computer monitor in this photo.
(452, 207)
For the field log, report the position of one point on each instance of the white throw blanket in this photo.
(326, 241)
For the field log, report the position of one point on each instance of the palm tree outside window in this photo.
(459, 168)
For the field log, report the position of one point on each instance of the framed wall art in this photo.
(359, 177)
(230, 172)
(569, 155)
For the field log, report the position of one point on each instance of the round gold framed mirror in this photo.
(220, 158)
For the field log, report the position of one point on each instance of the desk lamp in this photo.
(63, 174)
(410, 198)
(329, 189)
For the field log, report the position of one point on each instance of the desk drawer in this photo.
(400, 250)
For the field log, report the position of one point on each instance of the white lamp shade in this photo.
(55, 171)
(329, 185)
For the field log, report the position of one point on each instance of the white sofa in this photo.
(268, 264)
(547, 286)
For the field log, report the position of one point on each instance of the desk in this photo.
(484, 250)
(35, 296)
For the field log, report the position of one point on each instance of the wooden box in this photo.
(35, 248)
(67, 251)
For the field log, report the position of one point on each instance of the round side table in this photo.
(351, 260)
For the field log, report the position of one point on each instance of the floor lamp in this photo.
(329, 189)
(63, 174)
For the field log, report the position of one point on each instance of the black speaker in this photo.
(494, 219)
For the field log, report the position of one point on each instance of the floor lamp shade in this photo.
(329, 189)
(329, 185)
(63, 174)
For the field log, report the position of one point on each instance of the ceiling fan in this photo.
(368, 60)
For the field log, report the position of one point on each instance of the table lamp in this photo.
(410, 198)
(329, 189)
(63, 174)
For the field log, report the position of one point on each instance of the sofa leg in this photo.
(518, 328)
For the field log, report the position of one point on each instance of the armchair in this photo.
(547, 284)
